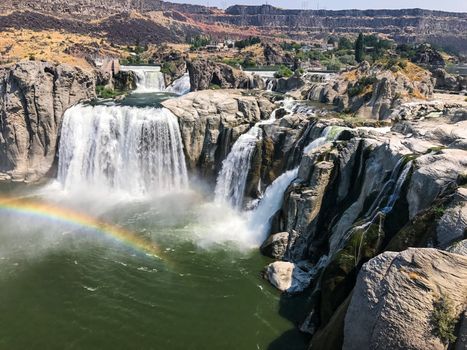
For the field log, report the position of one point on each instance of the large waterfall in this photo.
(126, 149)
(150, 78)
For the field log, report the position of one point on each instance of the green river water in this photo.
(63, 286)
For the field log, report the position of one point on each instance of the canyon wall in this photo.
(33, 98)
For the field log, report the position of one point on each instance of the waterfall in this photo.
(260, 218)
(125, 149)
(231, 182)
(181, 86)
(150, 78)
(385, 201)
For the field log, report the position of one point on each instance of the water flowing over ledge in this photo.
(127, 149)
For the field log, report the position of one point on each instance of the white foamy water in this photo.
(125, 149)
(150, 78)
(260, 218)
(180, 86)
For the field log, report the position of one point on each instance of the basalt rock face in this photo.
(359, 192)
(395, 297)
(206, 74)
(210, 122)
(374, 91)
(33, 98)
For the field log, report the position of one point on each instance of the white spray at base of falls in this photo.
(126, 149)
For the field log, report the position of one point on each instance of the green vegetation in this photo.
(444, 319)
(105, 92)
(283, 72)
(360, 87)
(359, 48)
(345, 43)
(214, 86)
(252, 40)
(199, 41)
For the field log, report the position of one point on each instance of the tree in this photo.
(359, 48)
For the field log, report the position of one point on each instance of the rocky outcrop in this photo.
(206, 74)
(210, 122)
(33, 98)
(446, 81)
(361, 191)
(125, 81)
(374, 91)
(396, 296)
(428, 56)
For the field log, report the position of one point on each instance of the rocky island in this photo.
(167, 179)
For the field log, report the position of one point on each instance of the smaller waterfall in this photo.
(260, 218)
(150, 78)
(231, 182)
(181, 86)
(385, 201)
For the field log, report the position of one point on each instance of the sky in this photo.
(444, 5)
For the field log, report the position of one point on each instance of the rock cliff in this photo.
(33, 98)
(373, 91)
(394, 303)
(205, 74)
(210, 122)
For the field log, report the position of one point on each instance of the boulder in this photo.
(395, 297)
(287, 277)
(33, 97)
(276, 245)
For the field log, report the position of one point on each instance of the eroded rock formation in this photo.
(33, 98)
(206, 74)
(395, 298)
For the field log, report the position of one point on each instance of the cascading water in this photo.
(126, 149)
(260, 218)
(181, 86)
(230, 186)
(150, 79)
(386, 199)
(231, 181)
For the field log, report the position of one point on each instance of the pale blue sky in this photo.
(445, 5)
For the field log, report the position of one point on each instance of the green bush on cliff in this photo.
(283, 72)
(105, 92)
(444, 319)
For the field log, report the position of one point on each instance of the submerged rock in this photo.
(396, 294)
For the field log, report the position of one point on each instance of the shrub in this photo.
(104, 92)
(283, 72)
(444, 319)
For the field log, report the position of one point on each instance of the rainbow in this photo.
(57, 214)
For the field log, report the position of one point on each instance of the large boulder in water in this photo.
(399, 298)
(33, 98)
